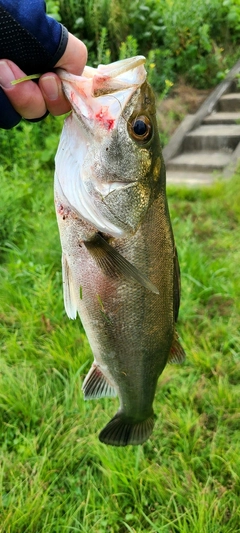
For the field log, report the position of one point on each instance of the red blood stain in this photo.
(63, 211)
(60, 209)
(103, 118)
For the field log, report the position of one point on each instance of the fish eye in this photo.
(141, 128)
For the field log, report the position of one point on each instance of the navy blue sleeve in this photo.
(32, 40)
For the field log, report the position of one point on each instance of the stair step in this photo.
(229, 102)
(189, 179)
(213, 137)
(223, 117)
(200, 161)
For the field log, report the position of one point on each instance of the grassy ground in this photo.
(55, 474)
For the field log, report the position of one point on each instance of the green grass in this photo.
(55, 475)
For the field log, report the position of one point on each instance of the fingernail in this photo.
(6, 75)
(50, 87)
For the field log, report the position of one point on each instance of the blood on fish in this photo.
(60, 209)
(63, 211)
(100, 80)
(102, 117)
(98, 83)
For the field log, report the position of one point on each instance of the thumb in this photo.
(75, 56)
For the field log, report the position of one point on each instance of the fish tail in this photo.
(121, 431)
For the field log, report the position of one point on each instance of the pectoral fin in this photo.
(114, 264)
(177, 353)
(68, 290)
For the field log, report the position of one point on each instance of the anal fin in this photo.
(177, 353)
(96, 385)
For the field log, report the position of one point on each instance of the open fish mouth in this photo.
(100, 94)
(106, 78)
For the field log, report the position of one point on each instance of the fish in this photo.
(119, 260)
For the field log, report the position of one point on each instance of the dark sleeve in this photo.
(32, 40)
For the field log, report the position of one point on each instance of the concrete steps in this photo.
(223, 117)
(213, 137)
(229, 102)
(199, 161)
(209, 148)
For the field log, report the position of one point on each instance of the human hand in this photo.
(32, 100)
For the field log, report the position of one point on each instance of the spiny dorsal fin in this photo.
(114, 264)
(177, 353)
(95, 385)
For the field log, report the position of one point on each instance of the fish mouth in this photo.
(100, 94)
(107, 78)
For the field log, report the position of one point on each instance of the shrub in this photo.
(196, 40)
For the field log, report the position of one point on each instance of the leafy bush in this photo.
(29, 148)
(196, 40)
(53, 9)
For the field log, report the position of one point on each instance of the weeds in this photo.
(197, 40)
(55, 475)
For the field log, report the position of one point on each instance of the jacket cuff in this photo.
(61, 47)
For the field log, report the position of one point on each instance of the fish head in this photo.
(109, 165)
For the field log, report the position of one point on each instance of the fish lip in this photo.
(111, 71)
(121, 67)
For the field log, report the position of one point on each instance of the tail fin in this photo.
(120, 431)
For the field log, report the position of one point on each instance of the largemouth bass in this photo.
(119, 261)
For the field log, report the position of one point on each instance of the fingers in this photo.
(75, 56)
(51, 89)
(32, 100)
(73, 60)
(26, 97)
